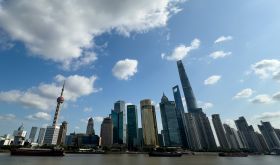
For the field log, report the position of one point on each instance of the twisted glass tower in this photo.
(187, 89)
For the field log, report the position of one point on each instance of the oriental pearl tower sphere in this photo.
(59, 100)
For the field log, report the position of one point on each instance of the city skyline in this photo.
(233, 70)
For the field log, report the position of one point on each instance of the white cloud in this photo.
(223, 39)
(268, 115)
(39, 116)
(267, 68)
(205, 105)
(245, 93)
(63, 31)
(261, 99)
(98, 119)
(230, 122)
(181, 51)
(212, 80)
(124, 69)
(8, 117)
(276, 96)
(87, 109)
(219, 54)
(43, 97)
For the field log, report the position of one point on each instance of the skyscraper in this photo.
(249, 135)
(90, 127)
(41, 136)
(220, 131)
(203, 127)
(132, 126)
(233, 137)
(171, 130)
(270, 135)
(119, 122)
(193, 134)
(106, 132)
(32, 134)
(52, 132)
(187, 89)
(19, 136)
(180, 112)
(149, 123)
(62, 133)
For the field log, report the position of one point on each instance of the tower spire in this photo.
(59, 100)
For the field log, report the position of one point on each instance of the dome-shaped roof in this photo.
(60, 99)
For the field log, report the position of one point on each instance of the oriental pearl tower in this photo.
(59, 100)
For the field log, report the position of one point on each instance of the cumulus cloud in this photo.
(223, 39)
(267, 68)
(43, 97)
(63, 31)
(245, 93)
(39, 116)
(261, 99)
(268, 115)
(212, 80)
(276, 96)
(181, 51)
(8, 117)
(219, 54)
(205, 105)
(124, 69)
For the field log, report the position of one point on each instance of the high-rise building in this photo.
(277, 131)
(32, 134)
(180, 112)
(132, 126)
(270, 135)
(62, 133)
(194, 138)
(19, 136)
(187, 89)
(248, 134)
(41, 136)
(263, 142)
(90, 127)
(119, 122)
(233, 137)
(51, 135)
(149, 123)
(52, 132)
(106, 132)
(171, 130)
(205, 133)
(220, 131)
(140, 140)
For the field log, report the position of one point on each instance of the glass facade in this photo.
(119, 123)
(187, 89)
(180, 112)
(171, 131)
(132, 126)
(149, 123)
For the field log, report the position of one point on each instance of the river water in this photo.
(140, 159)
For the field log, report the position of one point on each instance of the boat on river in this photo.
(37, 152)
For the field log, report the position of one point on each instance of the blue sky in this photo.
(128, 51)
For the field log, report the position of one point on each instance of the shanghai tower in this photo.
(187, 89)
(201, 124)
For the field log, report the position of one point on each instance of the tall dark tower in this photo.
(187, 89)
(201, 122)
(59, 100)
